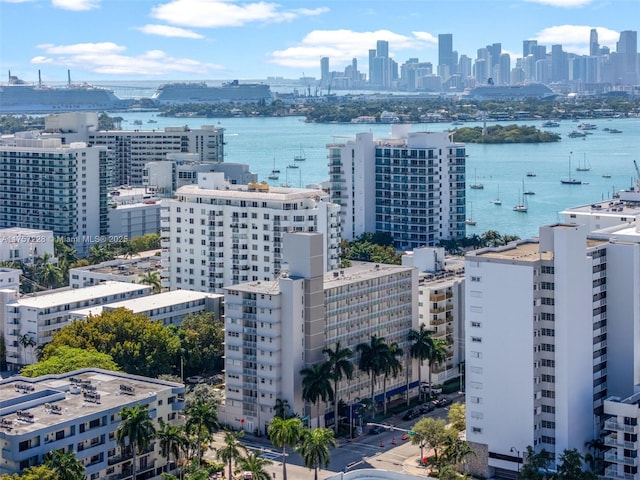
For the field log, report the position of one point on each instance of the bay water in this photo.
(263, 143)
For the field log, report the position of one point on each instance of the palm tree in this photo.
(283, 432)
(138, 428)
(171, 441)
(255, 464)
(281, 407)
(26, 341)
(66, 465)
(232, 449)
(314, 448)
(316, 384)
(437, 355)
(202, 421)
(455, 450)
(421, 348)
(373, 357)
(392, 366)
(153, 280)
(341, 366)
(50, 275)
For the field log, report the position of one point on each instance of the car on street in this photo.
(442, 402)
(426, 408)
(196, 379)
(375, 430)
(411, 414)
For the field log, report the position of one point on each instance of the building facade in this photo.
(537, 325)
(275, 329)
(45, 185)
(25, 244)
(216, 234)
(79, 412)
(38, 317)
(411, 185)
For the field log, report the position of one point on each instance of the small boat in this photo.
(614, 130)
(522, 206)
(550, 124)
(569, 180)
(525, 191)
(497, 201)
(475, 185)
(606, 175)
(587, 126)
(470, 220)
(293, 165)
(531, 174)
(457, 122)
(274, 173)
(137, 122)
(576, 134)
(152, 121)
(583, 167)
(300, 157)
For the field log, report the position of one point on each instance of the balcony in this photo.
(614, 458)
(614, 441)
(614, 425)
(611, 473)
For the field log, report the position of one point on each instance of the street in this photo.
(385, 451)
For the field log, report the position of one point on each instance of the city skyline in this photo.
(214, 39)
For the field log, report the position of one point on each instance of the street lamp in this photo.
(517, 452)
(357, 400)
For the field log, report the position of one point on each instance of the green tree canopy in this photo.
(430, 432)
(137, 345)
(202, 342)
(62, 358)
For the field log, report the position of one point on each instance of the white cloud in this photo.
(562, 3)
(168, 31)
(76, 5)
(341, 46)
(226, 13)
(109, 59)
(575, 38)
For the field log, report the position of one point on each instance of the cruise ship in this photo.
(200, 92)
(511, 92)
(19, 97)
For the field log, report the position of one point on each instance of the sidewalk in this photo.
(412, 466)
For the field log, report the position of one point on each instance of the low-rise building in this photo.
(79, 412)
(170, 308)
(131, 270)
(25, 244)
(31, 320)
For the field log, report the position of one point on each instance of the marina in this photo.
(256, 140)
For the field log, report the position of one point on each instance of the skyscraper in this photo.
(445, 53)
(529, 47)
(382, 49)
(627, 47)
(324, 71)
(594, 48)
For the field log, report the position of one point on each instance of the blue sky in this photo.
(254, 39)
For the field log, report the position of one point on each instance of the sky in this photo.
(255, 39)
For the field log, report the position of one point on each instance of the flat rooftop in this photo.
(274, 193)
(69, 403)
(615, 207)
(151, 302)
(72, 295)
(134, 266)
(527, 251)
(26, 232)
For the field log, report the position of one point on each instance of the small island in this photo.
(503, 134)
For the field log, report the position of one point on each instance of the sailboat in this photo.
(470, 220)
(274, 173)
(497, 201)
(585, 167)
(475, 185)
(570, 181)
(522, 206)
(300, 157)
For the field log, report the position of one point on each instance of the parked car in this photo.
(376, 429)
(442, 402)
(426, 408)
(410, 415)
(195, 379)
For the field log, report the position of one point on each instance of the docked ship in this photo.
(200, 92)
(511, 92)
(18, 97)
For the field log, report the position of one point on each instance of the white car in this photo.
(195, 379)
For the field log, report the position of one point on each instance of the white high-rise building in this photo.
(411, 185)
(275, 329)
(130, 150)
(440, 308)
(45, 185)
(551, 329)
(216, 234)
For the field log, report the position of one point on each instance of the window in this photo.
(476, 354)
(475, 279)
(476, 324)
(476, 339)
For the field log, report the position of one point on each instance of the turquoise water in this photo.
(261, 141)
